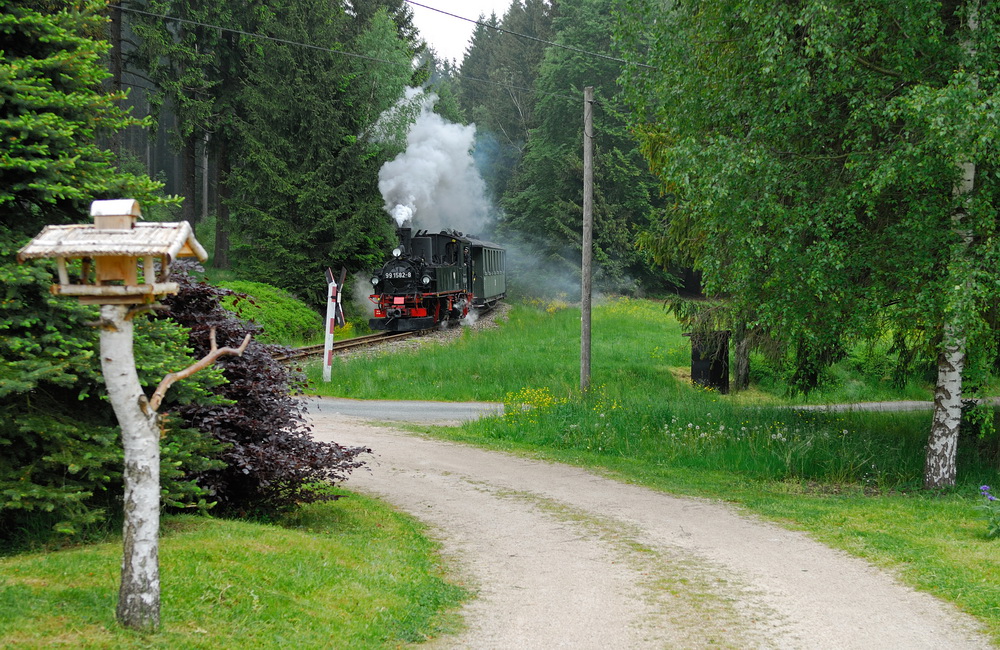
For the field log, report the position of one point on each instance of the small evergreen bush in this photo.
(282, 318)
(60, 450)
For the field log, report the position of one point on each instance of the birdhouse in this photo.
(117, 254)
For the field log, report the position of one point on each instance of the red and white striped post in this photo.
(334, 317)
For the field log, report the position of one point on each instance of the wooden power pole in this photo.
(588, 235)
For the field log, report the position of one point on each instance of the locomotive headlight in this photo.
(426, 279)
(374, 280)
(396, 252)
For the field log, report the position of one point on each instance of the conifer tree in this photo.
(304, 189)
(54, 110)
(544, 200)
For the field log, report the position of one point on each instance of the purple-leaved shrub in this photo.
(272, 462)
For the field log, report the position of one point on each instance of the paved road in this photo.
(454, 413)
(444, 413)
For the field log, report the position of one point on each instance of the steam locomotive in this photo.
(434, 277)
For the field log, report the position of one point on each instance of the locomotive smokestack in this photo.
(404, 240)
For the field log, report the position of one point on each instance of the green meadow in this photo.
(851, 479)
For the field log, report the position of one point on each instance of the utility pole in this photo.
(588, 235)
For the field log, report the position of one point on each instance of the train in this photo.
(433, 278)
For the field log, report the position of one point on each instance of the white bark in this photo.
(939, 468)
(942, 445)
(139, 595)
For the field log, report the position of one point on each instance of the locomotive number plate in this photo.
(399, 275)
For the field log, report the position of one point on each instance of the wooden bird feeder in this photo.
(115, 252)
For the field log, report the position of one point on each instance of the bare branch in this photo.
(204, 362)
(872, 66)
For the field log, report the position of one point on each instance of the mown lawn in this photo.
(346, 574)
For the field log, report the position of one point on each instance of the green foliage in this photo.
(282, 317)
(700, 431)
(991, 512)
(496, 90)
(271, 462)
(195, 72)
(304, 184)
(52, 111)
(638, 348)
(544, 199)
(60, 469)
(811, 150)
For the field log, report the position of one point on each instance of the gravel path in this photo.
(560, 557)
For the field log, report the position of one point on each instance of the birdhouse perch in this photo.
(112, 250)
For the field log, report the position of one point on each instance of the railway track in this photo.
(347, 344)
(307, 351)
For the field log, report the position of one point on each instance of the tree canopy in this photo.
(814, 150)
(304, 192)
(544, 200)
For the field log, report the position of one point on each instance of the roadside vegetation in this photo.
(286, 206)
(852, 480)
(346, 574)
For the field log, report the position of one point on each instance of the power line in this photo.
(530, 38)
(253, 35)
(323, 49)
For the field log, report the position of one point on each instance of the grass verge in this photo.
(344, 574)
(850, 479)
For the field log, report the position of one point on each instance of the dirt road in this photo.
(562, 558)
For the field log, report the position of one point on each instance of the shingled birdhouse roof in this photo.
(112, 248)
(153, 239)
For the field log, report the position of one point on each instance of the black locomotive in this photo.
(433, 277)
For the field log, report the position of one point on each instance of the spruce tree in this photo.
(52, 109)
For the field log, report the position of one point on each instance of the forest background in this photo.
(833, 183)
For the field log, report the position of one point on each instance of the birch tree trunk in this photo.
(942, 444)
(139, 595)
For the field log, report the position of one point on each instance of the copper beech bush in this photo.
(271, 460)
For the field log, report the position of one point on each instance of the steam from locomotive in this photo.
(434, 184)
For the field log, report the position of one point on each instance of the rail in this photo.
(346, 344)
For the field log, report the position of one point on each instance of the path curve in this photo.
(560, 557)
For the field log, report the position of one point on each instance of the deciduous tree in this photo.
(815, 149)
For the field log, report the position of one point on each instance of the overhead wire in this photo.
(252, 34)
(528, 37)
(370, 58)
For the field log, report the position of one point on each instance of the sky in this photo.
(450, 36)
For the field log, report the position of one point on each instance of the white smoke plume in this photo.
(434, 184)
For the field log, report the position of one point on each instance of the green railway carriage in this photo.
(489, 274)
(436, 277)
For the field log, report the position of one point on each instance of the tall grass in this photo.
(532, 347)
(700, 431)
(637, 349)
(638, 408)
